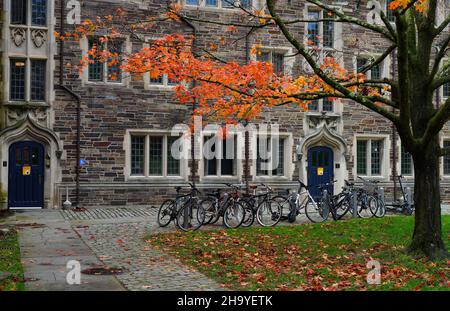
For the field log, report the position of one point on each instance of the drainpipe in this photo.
(194, 105)
(394, 137)
(247, 134)
(78, 100)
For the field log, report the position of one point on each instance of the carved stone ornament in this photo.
(331, 121)
(38, 36)
(18, 36)
(37, 114)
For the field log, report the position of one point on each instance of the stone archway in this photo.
(28, 129)
(323, 136)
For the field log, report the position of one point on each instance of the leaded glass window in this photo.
(327, 105)
(313, 105)
(390, 13)
(376, 154)
(156, 155)
(173, 163)
(276, 58)
(406, 162)
(137, 155)
(38, 68)
(361, 157)
(446, 89)
(95, 66)
(38, 12)
(17, 79)
(276, 148)
(313, 28)
(19, 12)
(328, 32)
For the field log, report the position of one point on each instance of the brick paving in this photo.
(122, 245)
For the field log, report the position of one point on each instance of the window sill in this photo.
(155, 178)
(26, 104)
(153, 87)
(188, 7)
(97, 83)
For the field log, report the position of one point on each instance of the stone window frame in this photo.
(125, 79)
(289, 57)
(146, 176)
(338, 42)
(148, 85)
(238, 153)
(385, 65)
(385, 160)
(30, 54)
(289, 164)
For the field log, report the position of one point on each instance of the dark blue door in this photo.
(320, 168)
(26, 175)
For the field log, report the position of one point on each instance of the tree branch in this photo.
(320, 73)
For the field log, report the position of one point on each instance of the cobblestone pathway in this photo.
(121, 245)
(109, 213)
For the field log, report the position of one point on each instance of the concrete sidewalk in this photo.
(47, 244)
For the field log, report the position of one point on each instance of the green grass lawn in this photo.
(328, 256)
(10, 262)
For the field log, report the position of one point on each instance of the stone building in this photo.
(110, 138)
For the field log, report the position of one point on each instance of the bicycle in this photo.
(269, 209)
(302, 199)
(404, 206)
(226, 206)
(185, 211)
(370, 200)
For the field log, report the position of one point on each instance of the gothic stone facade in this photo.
(125, 125)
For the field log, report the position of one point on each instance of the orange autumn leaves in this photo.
(420, 5)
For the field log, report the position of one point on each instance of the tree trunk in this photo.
(427, 237)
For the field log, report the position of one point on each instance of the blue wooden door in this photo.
(26, 175)
(320, 168)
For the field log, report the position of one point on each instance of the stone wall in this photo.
(108, 110)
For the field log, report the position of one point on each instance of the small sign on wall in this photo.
(320, 171)
(26, 170)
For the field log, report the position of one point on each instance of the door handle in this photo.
(40, 179)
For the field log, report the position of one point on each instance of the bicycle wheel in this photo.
(191, 216)
(286, 211)
(381, 208)
(316, 212)
(249, 218)
(342, 209)
(165, 213)
(210, 208)
(268, 213)
(366, 206)
(234, 215)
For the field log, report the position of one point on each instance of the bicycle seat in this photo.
(178, 188)
(253, 187)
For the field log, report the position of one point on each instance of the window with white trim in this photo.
(375, 72)
(151, 156)
(222, 161)
(107, 70)
(276, 161)
(274, 57)
(321, 105)
(29, 12)
(27, 79)
(446, 90)
(389, 13)
(223, 4)
(320, 33)
(369, 157)
(406, 162)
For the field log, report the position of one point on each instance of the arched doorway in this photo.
(26, 175)
(320, 168)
